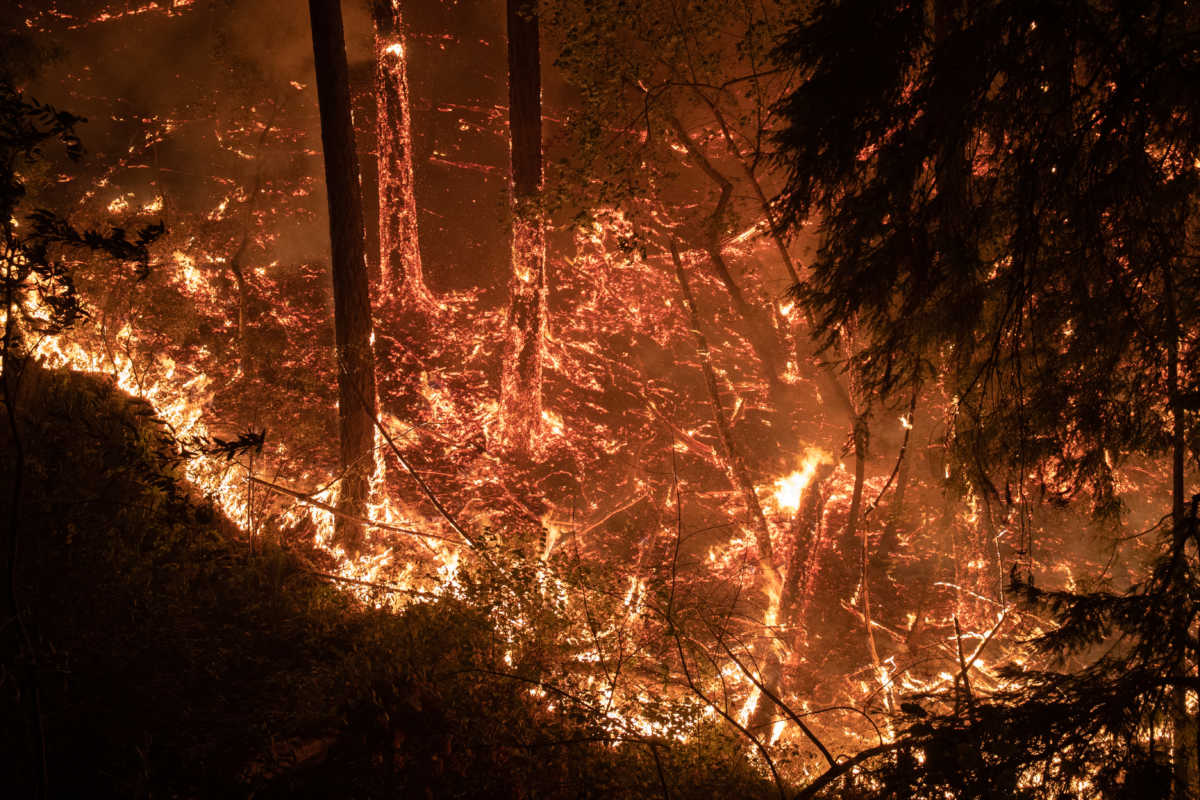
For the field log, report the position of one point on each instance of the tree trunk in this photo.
(1184, 754)
(351, 298)
(521, 379)
(399, 250)
(799, 584)
(758, 333)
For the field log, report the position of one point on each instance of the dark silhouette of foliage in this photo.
(33, 274)
(1006, 197)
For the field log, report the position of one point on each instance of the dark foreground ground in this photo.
(154, 656)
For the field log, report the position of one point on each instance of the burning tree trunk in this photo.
(790, 607)
(351, 298)
(521, 381)
(399, 252)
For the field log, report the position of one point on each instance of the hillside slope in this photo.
(163, 659)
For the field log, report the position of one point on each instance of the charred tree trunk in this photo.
(525, 332)
(399, 250)
(351, 297)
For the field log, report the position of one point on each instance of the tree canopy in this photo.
(1006, 194)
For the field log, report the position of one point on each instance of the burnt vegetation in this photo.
(724, 399)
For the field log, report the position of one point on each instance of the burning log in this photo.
(791, 604)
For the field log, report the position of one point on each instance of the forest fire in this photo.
(653, 408)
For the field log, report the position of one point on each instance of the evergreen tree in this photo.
(1006, 195)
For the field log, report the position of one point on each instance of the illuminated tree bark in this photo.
(525, 331)
(351, 298)
(399, 252)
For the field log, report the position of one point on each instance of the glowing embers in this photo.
(178, 398)
(119, 205)
(190, 279)
(525, 336)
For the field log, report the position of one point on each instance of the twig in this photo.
(912, 408)
(962, 661)
(625, 506)
(986, 639)
(705, 449)
(387, 587)
(307, 500)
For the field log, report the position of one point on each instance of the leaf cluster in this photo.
(39, 285)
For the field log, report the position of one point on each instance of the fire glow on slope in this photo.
(630, 462)
(623, 412)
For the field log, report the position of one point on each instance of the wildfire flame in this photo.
(611, 406)
(790, 488)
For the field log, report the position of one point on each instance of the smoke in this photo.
(175, 95)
